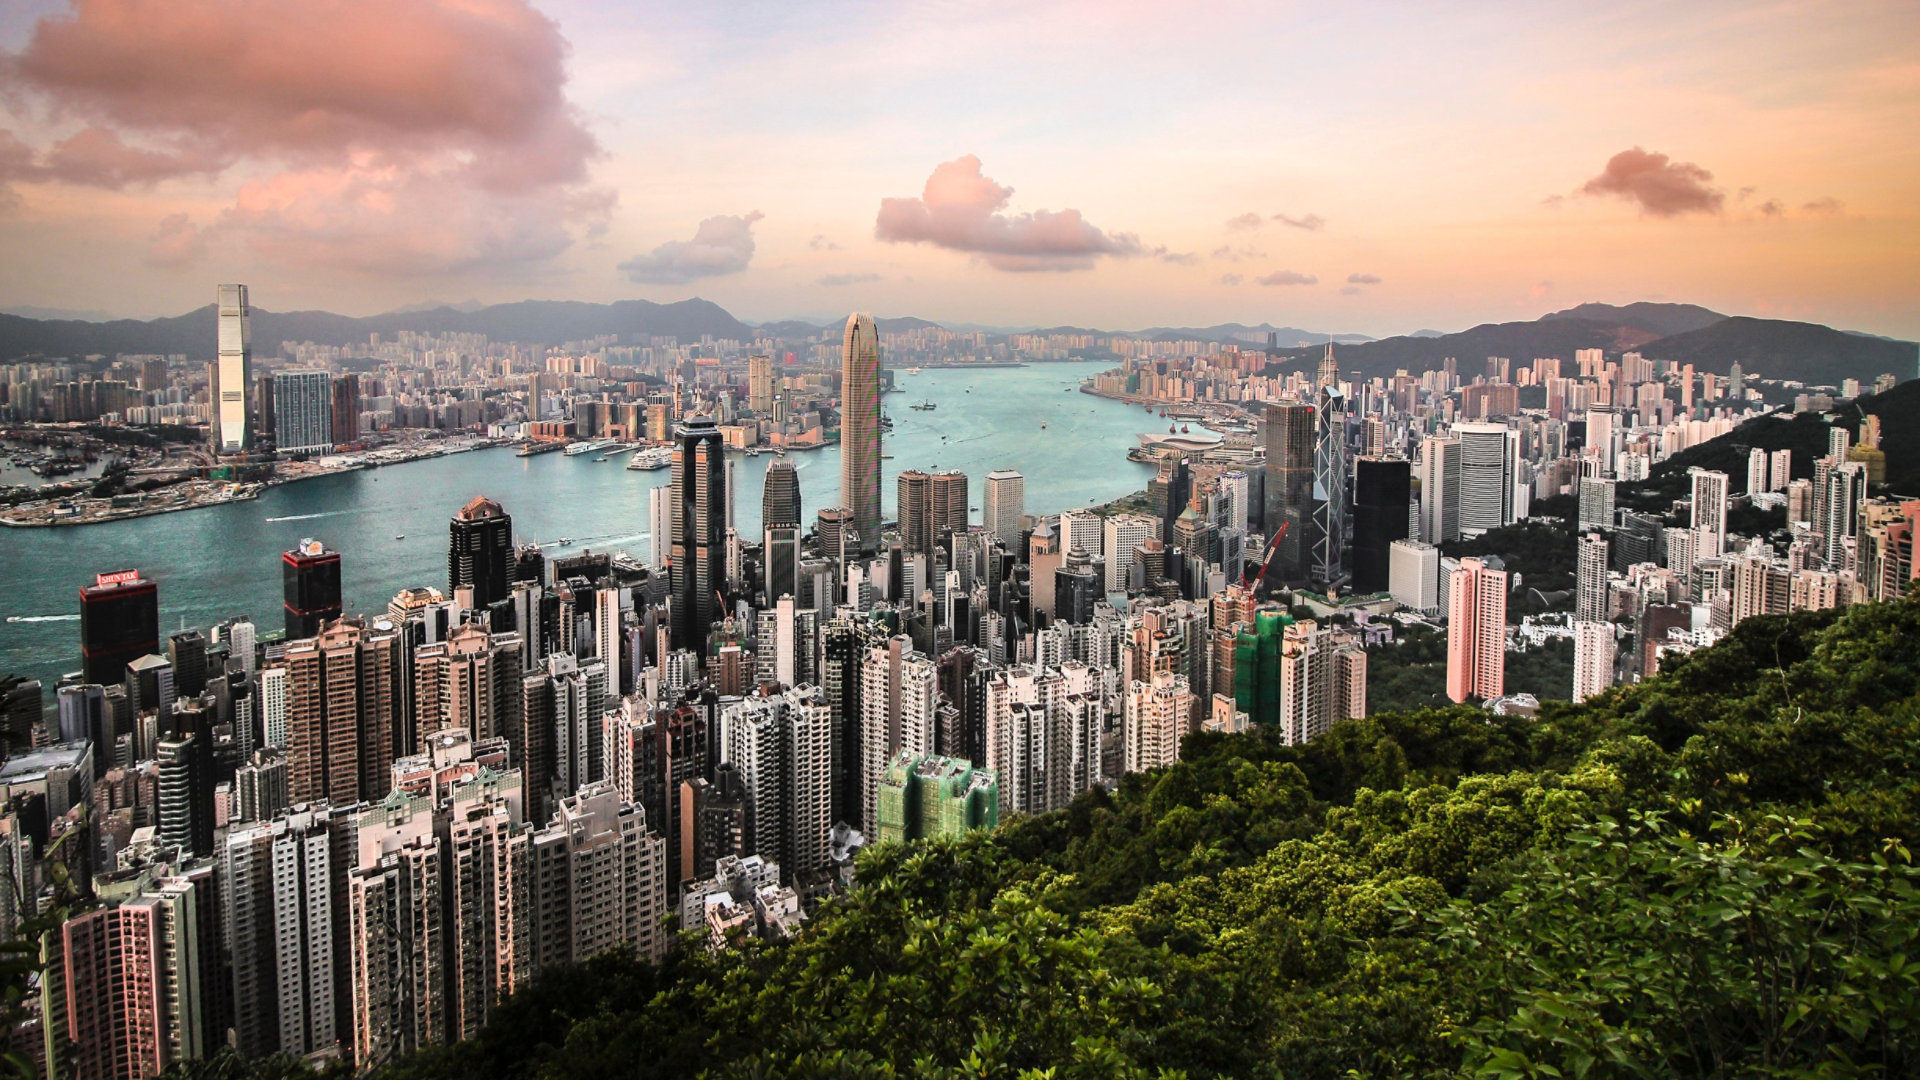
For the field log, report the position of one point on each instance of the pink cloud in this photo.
(1662, 187)
(1309, 222)
(1287, 277)
(421, 116)
(721, 245)
(961, 210)
(1248, 220)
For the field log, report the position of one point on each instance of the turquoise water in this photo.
(390, 525)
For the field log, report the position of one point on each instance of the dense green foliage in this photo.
(1705, 875)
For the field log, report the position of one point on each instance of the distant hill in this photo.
(543, 321)
(1806, 352)
(1519, 341)
(1657, 320)
(1899, 435)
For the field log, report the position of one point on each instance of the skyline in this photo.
(993, 167)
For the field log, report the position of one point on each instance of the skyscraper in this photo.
(1004, 506)
(119, 623)
(346, 409)
(1439, 489)
(1593, 652)
(780, 495)
(699, 521)
(1592, 598)
(782, 748)
(914, 506)
(1328, 525)
(1382, 493)
(344, 711)
(303, 412)
(1709, 509)
(1476, 632)
(235, 368)
(860, 428)
(480, 552)
(1489, 453)
(1289, 488)
(760, 384)
(310, 579)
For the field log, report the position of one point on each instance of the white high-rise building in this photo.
(1439, 489)
(1600, 424)
(608, 630)
(1413, 574)
(1083, 529)
(1709, 510)
(1153, 721)
(781, 746)
(235, 370)
(1123, 533)
(1005, 506)
(1781, 473)
(1489, 469)
(1043, 727)
(1593, 651)
(1756, 471)
(1592, 595)
(659, 522)
(273, 706)
(302, 412)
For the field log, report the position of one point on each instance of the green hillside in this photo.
(1706, 875)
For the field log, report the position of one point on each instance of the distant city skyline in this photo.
(1049, 164)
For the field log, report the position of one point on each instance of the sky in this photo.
(1356, 167)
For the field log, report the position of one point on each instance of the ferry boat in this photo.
(648, 458)
(923, 406)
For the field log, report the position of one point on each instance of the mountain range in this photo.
(1685, 333)
(1711, 342)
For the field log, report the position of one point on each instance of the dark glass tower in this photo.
(1382, 490)
(480, 555)
(119, 623)
(1289, 488)
(310, 575)
(780, 496)
(699, 513)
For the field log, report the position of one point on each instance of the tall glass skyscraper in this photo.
(860, 428)
(699, 510)
(234, 433)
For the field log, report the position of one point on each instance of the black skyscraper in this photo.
(310, 575)
(119, 623)
(780, 496)
(699, 513)
(480, 555)
(1382, 490)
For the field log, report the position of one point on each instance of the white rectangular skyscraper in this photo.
(1006, 504)
(235, 371)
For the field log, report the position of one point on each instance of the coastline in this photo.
(202, 494)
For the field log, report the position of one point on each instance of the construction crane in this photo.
(1272, 546)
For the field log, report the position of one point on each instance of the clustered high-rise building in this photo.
(357, 839)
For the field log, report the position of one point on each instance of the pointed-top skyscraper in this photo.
(860, 427)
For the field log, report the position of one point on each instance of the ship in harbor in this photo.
(648, 458)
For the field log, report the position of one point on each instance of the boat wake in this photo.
(43, 618)
(310, 517)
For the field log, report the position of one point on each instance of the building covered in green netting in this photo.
(929, 796)
(1256, 666)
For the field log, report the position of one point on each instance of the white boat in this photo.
(585, 448)
(650, 458)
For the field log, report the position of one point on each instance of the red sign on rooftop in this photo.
(119, 577)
